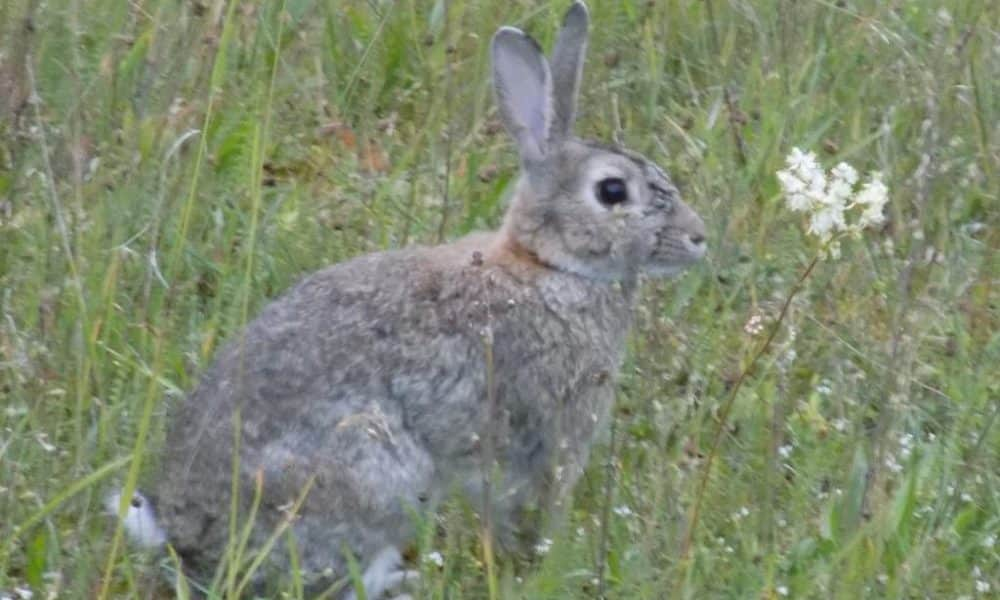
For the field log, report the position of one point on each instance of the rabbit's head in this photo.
(593, 209)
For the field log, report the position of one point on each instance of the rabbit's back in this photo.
(368, 381)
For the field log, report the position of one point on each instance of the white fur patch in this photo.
(384, 575)
(139, 520)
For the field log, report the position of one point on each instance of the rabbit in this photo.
(381, 383)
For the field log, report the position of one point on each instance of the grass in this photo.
(166, 167)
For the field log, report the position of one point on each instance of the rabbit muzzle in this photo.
(680, 243)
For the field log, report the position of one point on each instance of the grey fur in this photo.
(567, 69)
(369, 378)
(523, 85)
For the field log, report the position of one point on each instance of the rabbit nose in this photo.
(696, 229)
(696, 235)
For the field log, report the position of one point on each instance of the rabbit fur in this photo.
(368, 381)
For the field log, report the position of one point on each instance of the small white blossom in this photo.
(804, 163)
(782, 590)
(906, 445)
(623, 511)
(982, 586)
(785, 451)
(828, 200)
(543, 546)
(755, 325)
(872, 197)
(989, 541)
(435, 558)
(845, 173)
(893, 465)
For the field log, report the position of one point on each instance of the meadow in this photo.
(786, 426)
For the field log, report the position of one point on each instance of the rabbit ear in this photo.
(523, 87)
(567, 68)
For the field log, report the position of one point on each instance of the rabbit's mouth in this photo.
(674, 251)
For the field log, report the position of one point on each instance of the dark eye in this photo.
(612, 191)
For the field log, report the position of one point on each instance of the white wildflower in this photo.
(755, 325)
(829, 199)
(827, 220)
(872, 197)
(435, 559)
(782, 590)
(785, 451)
(989, 541)
(845, 174)
(795, 191)
(803, 162)
(906, 445)
(982, 586)
(893, 465)
(803, 181)
(623, 511)
(543, 546)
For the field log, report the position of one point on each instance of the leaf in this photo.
(36, 555)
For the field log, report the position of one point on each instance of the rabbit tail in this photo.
(139, 520)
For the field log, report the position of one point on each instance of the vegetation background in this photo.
(167, 166)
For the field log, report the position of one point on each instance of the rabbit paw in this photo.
(400, 582)
(385, 577)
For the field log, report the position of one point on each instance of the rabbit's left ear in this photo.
(567, 69)
(523, 86)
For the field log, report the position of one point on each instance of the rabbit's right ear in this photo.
(567, 68)
(523, 87)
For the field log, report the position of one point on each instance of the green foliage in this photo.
(167, 167)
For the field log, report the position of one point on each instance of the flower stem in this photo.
(727, 406)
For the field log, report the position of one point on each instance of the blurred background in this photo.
(167, 166)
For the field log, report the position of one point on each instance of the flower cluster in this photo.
(829, 198)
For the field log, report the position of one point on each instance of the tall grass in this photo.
(166, 167)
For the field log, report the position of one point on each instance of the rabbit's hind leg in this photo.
(370, 478)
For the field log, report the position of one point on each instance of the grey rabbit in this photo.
(369, 381)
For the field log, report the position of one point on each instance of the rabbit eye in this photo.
(612, 191)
